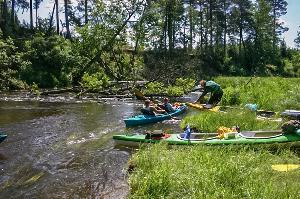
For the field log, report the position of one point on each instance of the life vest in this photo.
(147, 111)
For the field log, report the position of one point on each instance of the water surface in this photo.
(62, 147)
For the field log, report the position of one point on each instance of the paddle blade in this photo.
(285, 167)
(139, 94)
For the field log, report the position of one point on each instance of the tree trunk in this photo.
(225, 28)
(51, 19)
(241, 36)
(206, 27)
(274, 25)
(68, 35)
(57, 17)
(13, 3)
(36, 13)
(184, 35)
(170, 24)
(164, 36)
(211, 23)
(191, 26)
(86, 11)
(31, 17)
(201, 25)
(4, 21)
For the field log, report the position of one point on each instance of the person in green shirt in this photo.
(213, 88)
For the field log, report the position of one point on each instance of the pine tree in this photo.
(279, 8)
(297, 40)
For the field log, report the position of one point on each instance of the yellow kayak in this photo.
(201, 107)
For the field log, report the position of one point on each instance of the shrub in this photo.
(231, 96)
(155, 88)
(95, 81)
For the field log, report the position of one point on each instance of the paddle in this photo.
(140, 95)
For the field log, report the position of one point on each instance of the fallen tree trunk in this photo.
(59, 91)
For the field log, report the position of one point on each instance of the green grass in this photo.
(270, 93)
(225, 171)
(212, 172)
(211, 121)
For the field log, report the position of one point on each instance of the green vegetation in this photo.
(180, 87)
(246, 120)
(95, 81)
(224, 171)
(213, 172)
(167, 40)
(271, 93)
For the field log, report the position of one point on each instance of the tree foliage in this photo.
(11, 62)
(158, 40)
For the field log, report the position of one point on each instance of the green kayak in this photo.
(245, 137)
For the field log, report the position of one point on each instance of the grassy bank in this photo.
(213, 172)
(225, 171)
(270, 93)
(246, 120)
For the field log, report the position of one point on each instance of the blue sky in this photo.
(291, 19)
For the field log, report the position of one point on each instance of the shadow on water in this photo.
(61, 147)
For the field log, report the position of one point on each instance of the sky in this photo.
(291, 19)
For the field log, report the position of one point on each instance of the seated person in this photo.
(150, 109)
(167, 106)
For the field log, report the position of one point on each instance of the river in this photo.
(62, 147)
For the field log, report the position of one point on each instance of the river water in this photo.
(62, 147)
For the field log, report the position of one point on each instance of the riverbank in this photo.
(225, 171)
(214, 172)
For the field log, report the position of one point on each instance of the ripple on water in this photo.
(62, 147)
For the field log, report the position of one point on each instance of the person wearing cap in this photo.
(167, 106)
(213, 88)
(149, 109)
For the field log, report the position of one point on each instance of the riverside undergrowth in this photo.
(213, 172)
(270, 93)
(245, 119)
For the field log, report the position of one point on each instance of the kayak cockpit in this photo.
(244, 134)
(260, 134)
(199, 136)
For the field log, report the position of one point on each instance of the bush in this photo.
(155, 88)
(11, 62)
(185, 84)
(231, 96)
(175, 91)
(180, 87)
(95, 81)
(51, 61)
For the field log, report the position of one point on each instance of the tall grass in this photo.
(246, 120)
(225, 171)
(271, 93)
(212, 172)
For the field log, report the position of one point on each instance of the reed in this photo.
(245, 119)
(270, 93)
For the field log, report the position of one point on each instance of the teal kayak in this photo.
(2, 137)
(146, 119)
(245, 137)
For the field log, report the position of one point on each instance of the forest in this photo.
(90, 43)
